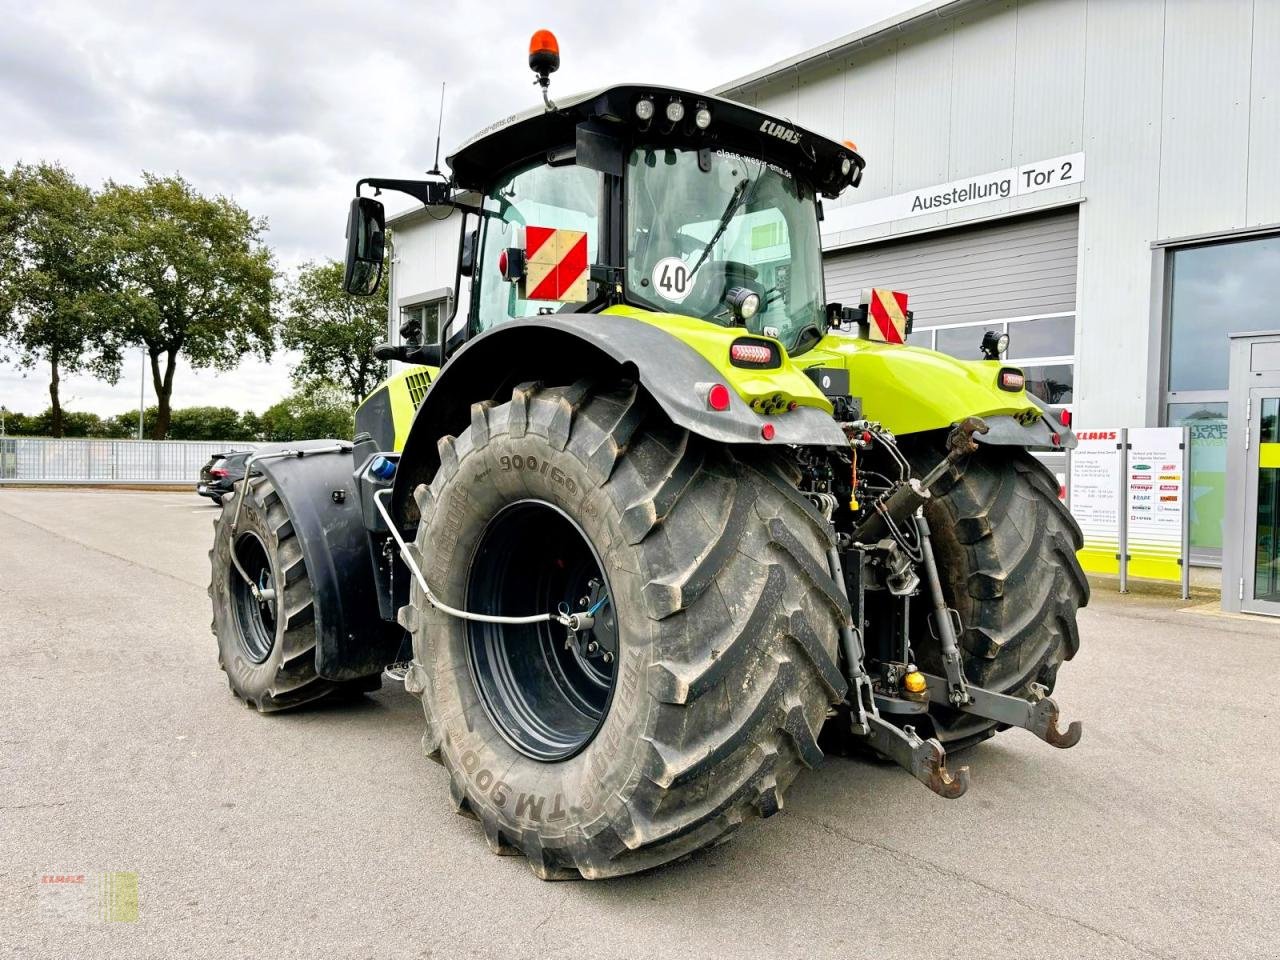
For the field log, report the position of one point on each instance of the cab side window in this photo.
(561, 198)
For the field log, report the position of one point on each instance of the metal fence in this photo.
(43, 460)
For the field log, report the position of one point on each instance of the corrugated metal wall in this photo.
(1012, 268)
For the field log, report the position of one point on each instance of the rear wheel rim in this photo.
(255, 619)
(546, 697)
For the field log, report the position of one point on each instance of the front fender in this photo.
(323, 507)
(563, 348)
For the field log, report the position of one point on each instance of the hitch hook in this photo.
(1044, 721)
(926, 760)
(1037, 714)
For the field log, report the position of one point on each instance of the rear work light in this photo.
(760, 354)
(1011, 380)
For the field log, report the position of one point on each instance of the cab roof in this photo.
(734, 127)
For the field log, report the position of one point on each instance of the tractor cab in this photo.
(661, 199)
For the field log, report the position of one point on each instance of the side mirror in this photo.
(366, 244)
(467, 264)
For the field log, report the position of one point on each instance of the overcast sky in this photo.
(283, 106)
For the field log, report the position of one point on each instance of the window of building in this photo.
(1213, 290)
(420, 322)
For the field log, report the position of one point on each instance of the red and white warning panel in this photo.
(888, 320)
(555, 265)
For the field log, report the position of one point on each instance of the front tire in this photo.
(267, 650)
(725, 630)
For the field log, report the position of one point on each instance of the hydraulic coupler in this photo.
(910, 496)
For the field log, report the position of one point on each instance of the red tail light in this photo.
(218, 472)
(1065, 418)
(767, 431)
(758, 354)
(750, 353)
(1011, 380)
(718, 397)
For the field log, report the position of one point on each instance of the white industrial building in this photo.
(1099, 177)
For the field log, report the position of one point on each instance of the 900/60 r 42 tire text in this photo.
(267, 649)
(696, 697)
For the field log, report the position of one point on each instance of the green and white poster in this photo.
(1157, 498)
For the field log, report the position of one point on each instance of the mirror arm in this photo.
(433, 193)
(424, 354)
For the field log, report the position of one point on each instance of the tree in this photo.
(75, 423)
(335, 332)
(53, 279)
(191, 278)
(208, 423)
(124, 426)
(313, 414)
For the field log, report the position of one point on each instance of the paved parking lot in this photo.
(326, 832)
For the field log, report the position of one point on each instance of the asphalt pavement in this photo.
(326, 833)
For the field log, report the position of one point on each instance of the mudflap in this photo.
(320, 496)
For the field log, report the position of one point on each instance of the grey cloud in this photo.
(46, 85)
(283, 106)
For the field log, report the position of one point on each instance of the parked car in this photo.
(220, 474)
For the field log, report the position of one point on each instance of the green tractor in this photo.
(651, 513)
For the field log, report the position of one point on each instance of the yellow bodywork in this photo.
(405, 391)
(908, 389)
(913, 389)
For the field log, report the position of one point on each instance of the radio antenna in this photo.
(435, 169)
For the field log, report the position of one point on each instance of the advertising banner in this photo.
(1097, 468)
(1156, 485)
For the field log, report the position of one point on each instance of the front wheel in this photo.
(267, 647)
(695, 697)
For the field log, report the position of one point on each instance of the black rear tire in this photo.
(726, 631)
(1006, 550)
(268, 651)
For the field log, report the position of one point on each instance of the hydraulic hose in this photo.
(574, 621)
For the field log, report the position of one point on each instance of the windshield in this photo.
(695, 234)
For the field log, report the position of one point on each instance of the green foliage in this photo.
(54, 279)
(75, 423)
(322, 411)
(124, 426)
(187, 423)
(210, 423)
(336, 333)
(190, 276)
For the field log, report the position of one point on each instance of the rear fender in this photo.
(561, 349)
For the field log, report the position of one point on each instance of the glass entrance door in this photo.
(1262, 504)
